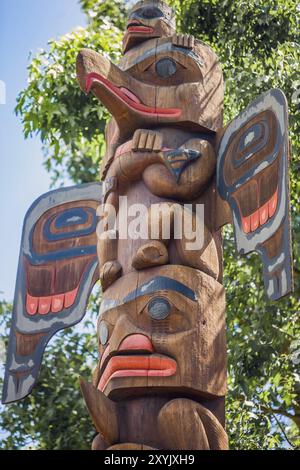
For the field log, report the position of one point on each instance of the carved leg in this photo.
(204, 258)
(162, 220)
(152, 253)
(110, 268)
(186, 425)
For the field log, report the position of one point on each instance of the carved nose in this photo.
(136, 342)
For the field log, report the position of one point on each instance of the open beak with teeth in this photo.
(113, 87)
(135, 357)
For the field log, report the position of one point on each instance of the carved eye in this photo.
(146, 13)
(149, 13)
(103, 333)
(165, 68)
(159, 308)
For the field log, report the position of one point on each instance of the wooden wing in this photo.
(58, 267)
(253, 177)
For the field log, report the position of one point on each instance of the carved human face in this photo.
(161, 84)
(148, 19)
(158, 330)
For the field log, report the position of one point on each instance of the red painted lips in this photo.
(136, 365)
(137, 27)
(140, 29)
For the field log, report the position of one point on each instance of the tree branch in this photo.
(283, 431)
(295, 418)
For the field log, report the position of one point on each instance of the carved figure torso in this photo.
(146, 166)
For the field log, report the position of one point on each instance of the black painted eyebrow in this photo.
(168, 47)
(156, 284)
(161, 283)
(139, 12)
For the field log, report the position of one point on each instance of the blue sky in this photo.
(25, 26)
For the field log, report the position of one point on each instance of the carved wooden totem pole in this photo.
(161, 378)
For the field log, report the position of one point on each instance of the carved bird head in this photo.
(159, 83)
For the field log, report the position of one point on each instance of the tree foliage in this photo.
(70, 124)
(54, 416)
(258, 46)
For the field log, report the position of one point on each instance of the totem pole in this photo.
(161, 378)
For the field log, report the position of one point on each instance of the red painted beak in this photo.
(128, 97)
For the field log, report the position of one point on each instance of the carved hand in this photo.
(144, 139)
